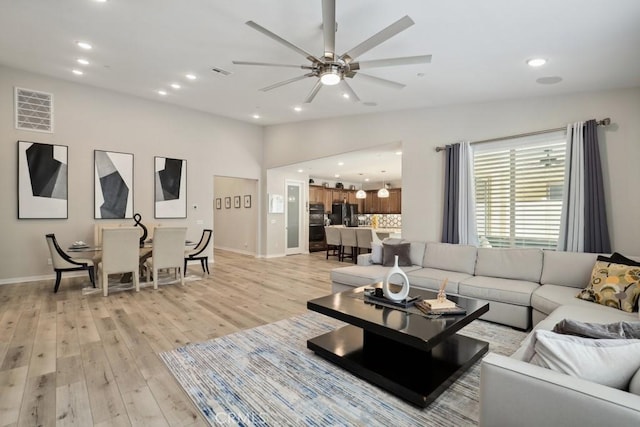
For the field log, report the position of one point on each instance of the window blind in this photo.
(519, 186)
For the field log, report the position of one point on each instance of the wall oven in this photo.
(316, 227)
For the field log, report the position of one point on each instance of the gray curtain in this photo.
(450, 230)
(596, 231)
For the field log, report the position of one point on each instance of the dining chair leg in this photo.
(92, 276)
(185, 264)
(155, 278)
(136, 280)
(58, 278)
(105, 283)
(206, 263)
(181, 276)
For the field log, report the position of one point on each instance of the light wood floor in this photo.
(68, 359)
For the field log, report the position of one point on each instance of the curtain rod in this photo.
(603, 122)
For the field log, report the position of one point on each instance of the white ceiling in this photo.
(479, 50)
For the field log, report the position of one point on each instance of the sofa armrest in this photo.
(513, 392)
(364, 259)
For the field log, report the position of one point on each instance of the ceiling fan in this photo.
(331, 69)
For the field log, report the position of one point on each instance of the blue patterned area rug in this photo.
(266, 376)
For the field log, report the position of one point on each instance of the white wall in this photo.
(236, 229)
(86, 119)
(422, 130)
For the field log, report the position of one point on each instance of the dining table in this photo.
(146, 250)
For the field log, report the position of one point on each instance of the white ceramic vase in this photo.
(404, 292)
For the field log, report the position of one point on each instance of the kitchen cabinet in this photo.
(388, 205)
(372, 204)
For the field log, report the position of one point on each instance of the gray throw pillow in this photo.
(618, 330)
(389, 253)
(376, 253)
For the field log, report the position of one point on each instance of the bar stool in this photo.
(334, 243)
(365, 237)
(349, 239)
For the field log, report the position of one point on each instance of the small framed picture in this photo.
(247, 201)
(218, 203)
(227, 202)
(236, 201)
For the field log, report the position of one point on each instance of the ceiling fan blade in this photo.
(282, 41)
(352, 94)
(329, 28)
(380, 37)
(269, 64)
(390, 62)
(286, 82)
(384, 82)
(313, 92)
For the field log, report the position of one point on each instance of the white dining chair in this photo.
(349, 240)
(167, 252)
(365, 237)
(332, 236)
(63, 262)
(120, 254)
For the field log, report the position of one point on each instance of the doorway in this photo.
(294, 218)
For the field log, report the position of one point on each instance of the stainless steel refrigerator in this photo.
(344, 214)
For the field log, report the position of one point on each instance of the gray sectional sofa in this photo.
(525, 288)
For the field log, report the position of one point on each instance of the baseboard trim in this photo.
(237, 251)
(13, 280)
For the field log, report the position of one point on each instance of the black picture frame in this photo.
(247, 201)
(170, 187)
(218, 203)
(43, 181)
(227, 202)
(236, 202)
(112, 185)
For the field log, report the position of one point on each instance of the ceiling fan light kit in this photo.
(331, 69)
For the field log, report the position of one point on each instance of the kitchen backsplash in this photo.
(384, 220)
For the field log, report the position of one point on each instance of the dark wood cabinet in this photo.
(372, 204)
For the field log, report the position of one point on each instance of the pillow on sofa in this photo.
(614, 285)
(389, 252)
(611, 362)
(617, 330)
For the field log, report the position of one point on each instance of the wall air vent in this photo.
(33, 110)
(221, 71)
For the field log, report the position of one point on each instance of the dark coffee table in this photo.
(408, 354)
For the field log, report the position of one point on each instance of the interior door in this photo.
(294, 218)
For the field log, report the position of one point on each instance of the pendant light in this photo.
(383, 193)
(361, 194)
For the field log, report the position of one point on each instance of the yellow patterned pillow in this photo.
(613, 285)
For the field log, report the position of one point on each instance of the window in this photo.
(519, 186)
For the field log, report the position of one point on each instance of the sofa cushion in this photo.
(359, 275)
(509, 291)
(613, 285)
(587, 312)
(518, 264)
(376, 252)
(390, 251)
(451, 257)
(610, 362)
(567, 268)
(549, 297)
(431, 278)
(634, 384)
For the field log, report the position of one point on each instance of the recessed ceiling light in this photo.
(175, 85)
(345, 95)
(366, 180)
(77, 72)
(337, 175)
(536, 62)
(398, 153)
(340, 163)
(100, 1)
(300, 170)
(256, 116)
(82, 61)
(84, 45)
(190, 76)
(162, 92)
(298, 109)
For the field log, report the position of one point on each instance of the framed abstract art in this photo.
(42, 181)
(113, 184)
(170, 176)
